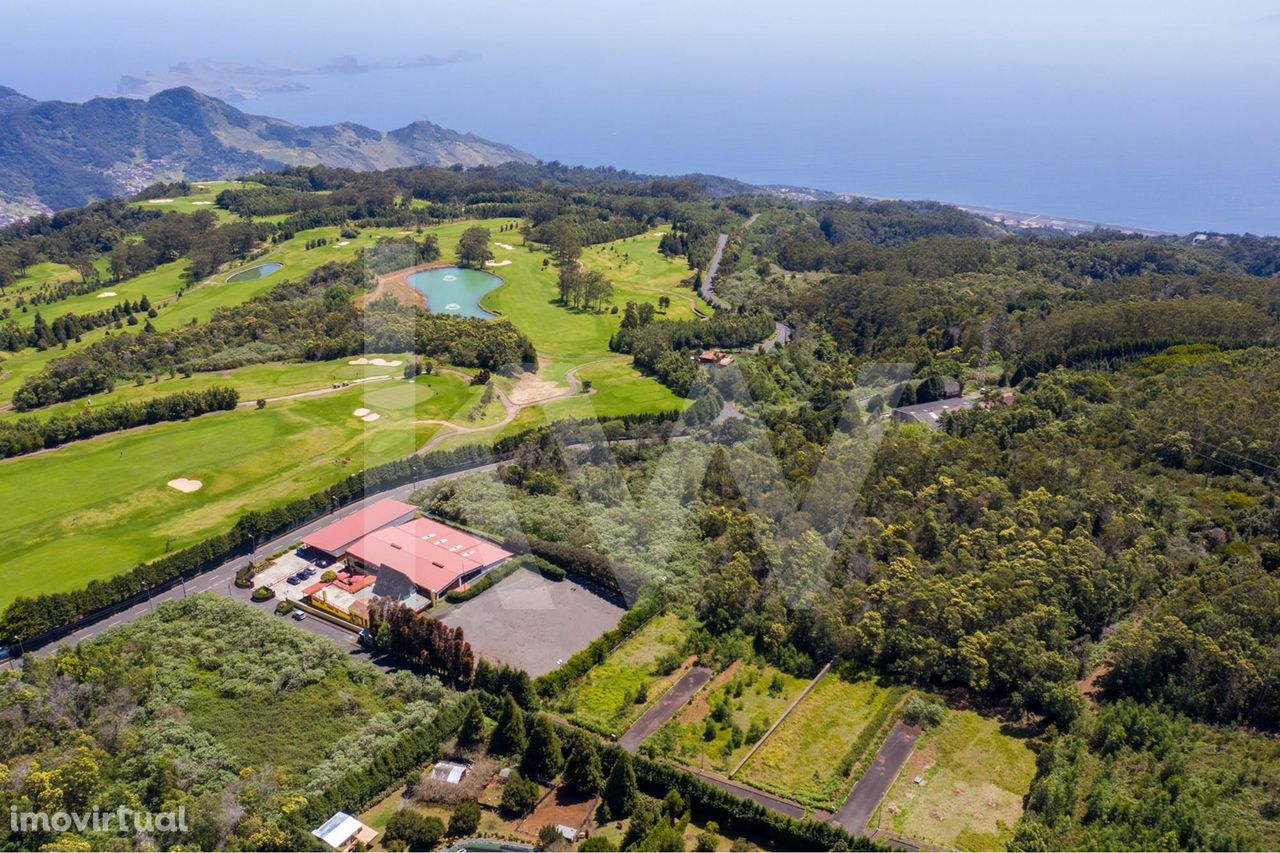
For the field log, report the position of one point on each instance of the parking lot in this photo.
(276, 576)
(533, 623)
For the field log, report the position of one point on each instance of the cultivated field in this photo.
(974, 780)
(833, 732)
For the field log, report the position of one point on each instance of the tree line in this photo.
(29, 434)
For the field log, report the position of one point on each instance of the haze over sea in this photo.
(1163, 115)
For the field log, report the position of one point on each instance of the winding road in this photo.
(781, 331)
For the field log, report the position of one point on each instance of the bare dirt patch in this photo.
(558, 808)
(698, 708)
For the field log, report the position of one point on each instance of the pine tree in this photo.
(509, 738)
(472, 731)
(583, 773)
(544, 758)
(620, 792)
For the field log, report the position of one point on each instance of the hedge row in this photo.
(575, 667)
(590, 564)
(29, 434)
(457, 596)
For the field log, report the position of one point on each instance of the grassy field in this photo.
(605, 701)
(749, 695)
(836, 728)
(202, 197)
(975, 778)
(121, 509)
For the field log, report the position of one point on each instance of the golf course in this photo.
(125, 508)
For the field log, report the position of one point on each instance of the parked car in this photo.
(309, 571)
(298, 615)
(365, 639)
(293, 580)
(323, 562)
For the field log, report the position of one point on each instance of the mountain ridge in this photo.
(56, 154)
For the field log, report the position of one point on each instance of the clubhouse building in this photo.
(386, 552)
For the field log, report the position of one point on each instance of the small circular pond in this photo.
(454, 290)
(260, 271)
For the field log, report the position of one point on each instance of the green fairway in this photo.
(203, 196)
(973, 780)
(835, 730)
(120, 509)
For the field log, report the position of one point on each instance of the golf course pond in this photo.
(455, 290)
(252, 273)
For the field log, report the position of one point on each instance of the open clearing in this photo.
(606, 698)
(532, 623)
(834, 730)
(975, 778)
(749, 696)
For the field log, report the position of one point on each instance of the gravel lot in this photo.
(533, 623)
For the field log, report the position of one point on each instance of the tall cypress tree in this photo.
(544, 758)
(583, 772)
(509, 738)
(621, 793)
(472, 731)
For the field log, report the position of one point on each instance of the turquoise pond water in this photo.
(260, 271)
(455, 290)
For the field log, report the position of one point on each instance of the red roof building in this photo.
(423, 555)
(337, 538)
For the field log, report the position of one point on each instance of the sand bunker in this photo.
(507, 246)
(200, 203)
(377, 362)
(360, 413)
(371, 417)
(182, 484)
(341, 243)
(104, 294)
(501, 263)
(161, 201)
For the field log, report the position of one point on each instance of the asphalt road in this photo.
(781, 331)
(665, 708)
(874, 784)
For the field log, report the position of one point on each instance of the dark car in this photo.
(324, 562)
(309, 571)
(294, 580)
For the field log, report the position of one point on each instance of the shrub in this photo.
(519, 796)
(413, 829)
(919, 711)
(263, 593)
(329, 576)
(549, 835)
(465, 819)
(551, 572)
(283, 607)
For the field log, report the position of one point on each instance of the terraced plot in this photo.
(831, 735)
(719, 727)
(614, 694)
(973, 781)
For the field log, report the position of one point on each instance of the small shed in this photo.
(343, 832)
(448, 771)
